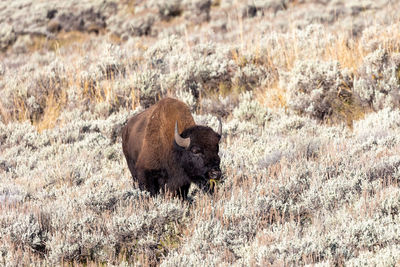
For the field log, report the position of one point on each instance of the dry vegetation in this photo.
(309, 93)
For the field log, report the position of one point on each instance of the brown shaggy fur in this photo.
(148, 137)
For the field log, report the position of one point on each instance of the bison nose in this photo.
(215, 173)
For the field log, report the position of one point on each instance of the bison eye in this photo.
(195, 150)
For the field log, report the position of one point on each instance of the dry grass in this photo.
(51, 113)
(63, 39)
(349, 53)
(272, 97)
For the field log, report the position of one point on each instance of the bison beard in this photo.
(161, 159)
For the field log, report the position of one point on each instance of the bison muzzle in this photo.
(160, 158)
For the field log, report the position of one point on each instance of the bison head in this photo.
(197, 149)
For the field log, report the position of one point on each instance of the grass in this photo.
(63, 39)
(297, 190)
(348, 52)
(51, 113)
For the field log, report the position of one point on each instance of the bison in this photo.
(160, 158)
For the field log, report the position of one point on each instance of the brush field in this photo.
(309, 95)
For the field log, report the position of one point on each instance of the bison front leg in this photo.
(146, 182)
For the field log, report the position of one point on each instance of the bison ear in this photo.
(183, 142)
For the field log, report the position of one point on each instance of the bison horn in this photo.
(220, 126)
(183, 142)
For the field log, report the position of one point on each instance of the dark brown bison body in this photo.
(160, 158)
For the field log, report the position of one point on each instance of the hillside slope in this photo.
(309, 95)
